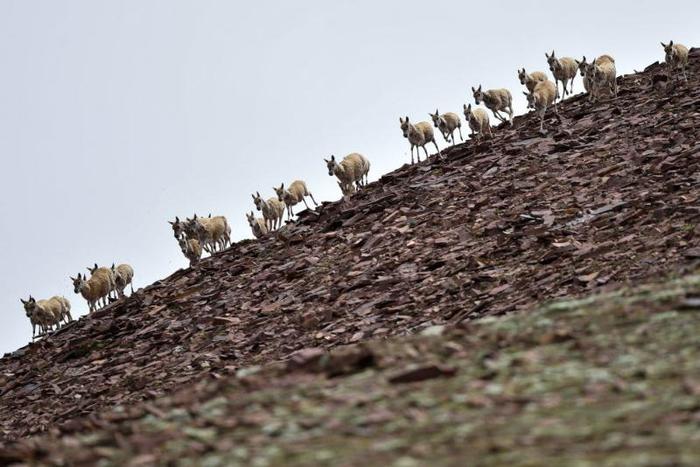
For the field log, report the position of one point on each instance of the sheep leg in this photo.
(452, 135)
(439, 154)
(312, 199)
(412, 155)
(307, 206)
(460, 133)
(543, 110)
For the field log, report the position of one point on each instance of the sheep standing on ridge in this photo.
(123, 276)
(353, 169)
(676, 57)
(257, 225)
(583, 69)
(191, 249)
(447, 123)
(38, 317)
(272, 211)
(112, 280)
(418, 135)
(544, 95)
(95, 288)
(47, 313)
(478, 122)
(603, 76)
(530, 80)
(497, 100)
(564, 70)
(213, 233)
(293, 195)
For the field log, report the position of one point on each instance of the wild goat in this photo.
(497, 100)
(272, 211)
(603, 76)
(123, 276)
(94, 289)
(47, 313)
(544, 95)
(530, 80)
(112, 279)
(353, 169)
(293, 195)
(213, 233)
(676, 57)
(583, 69)
(178, 228)
(564, 70)
(478, 120)
(418, 135)
(447, 123)
(191, 249)
(257, 225)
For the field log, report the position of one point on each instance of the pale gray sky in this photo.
(117, 115)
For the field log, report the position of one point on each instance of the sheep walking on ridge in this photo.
(213, 233)
(123, 276)
(583, 69)
(478, 122)
(530, 80)
(418, 135)
(257, 225)
(601, 76)
(447, 123)
(497, 100)
(94, 289)
(544, 95)
(47, 313)
(108, 272)
(676, 58)
(272, 211)
(294, 194)
(564, 70)
(352, 172)
(191, 249)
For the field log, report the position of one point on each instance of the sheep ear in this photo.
(473, 90)
(257, 193)
(177, 219)
(282, 186)
(171, 222)
(252, 195)
(525, 93)
(325, 160)
(333, 157)
(670, 42)
(479, 88)
(23, 302)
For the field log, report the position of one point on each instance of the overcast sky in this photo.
(115, 116)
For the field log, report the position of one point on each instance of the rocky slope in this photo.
(609, 196)
(612, 380)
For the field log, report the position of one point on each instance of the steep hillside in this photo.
(609, 196)
(612, 380)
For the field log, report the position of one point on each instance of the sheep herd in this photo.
(212, 234)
